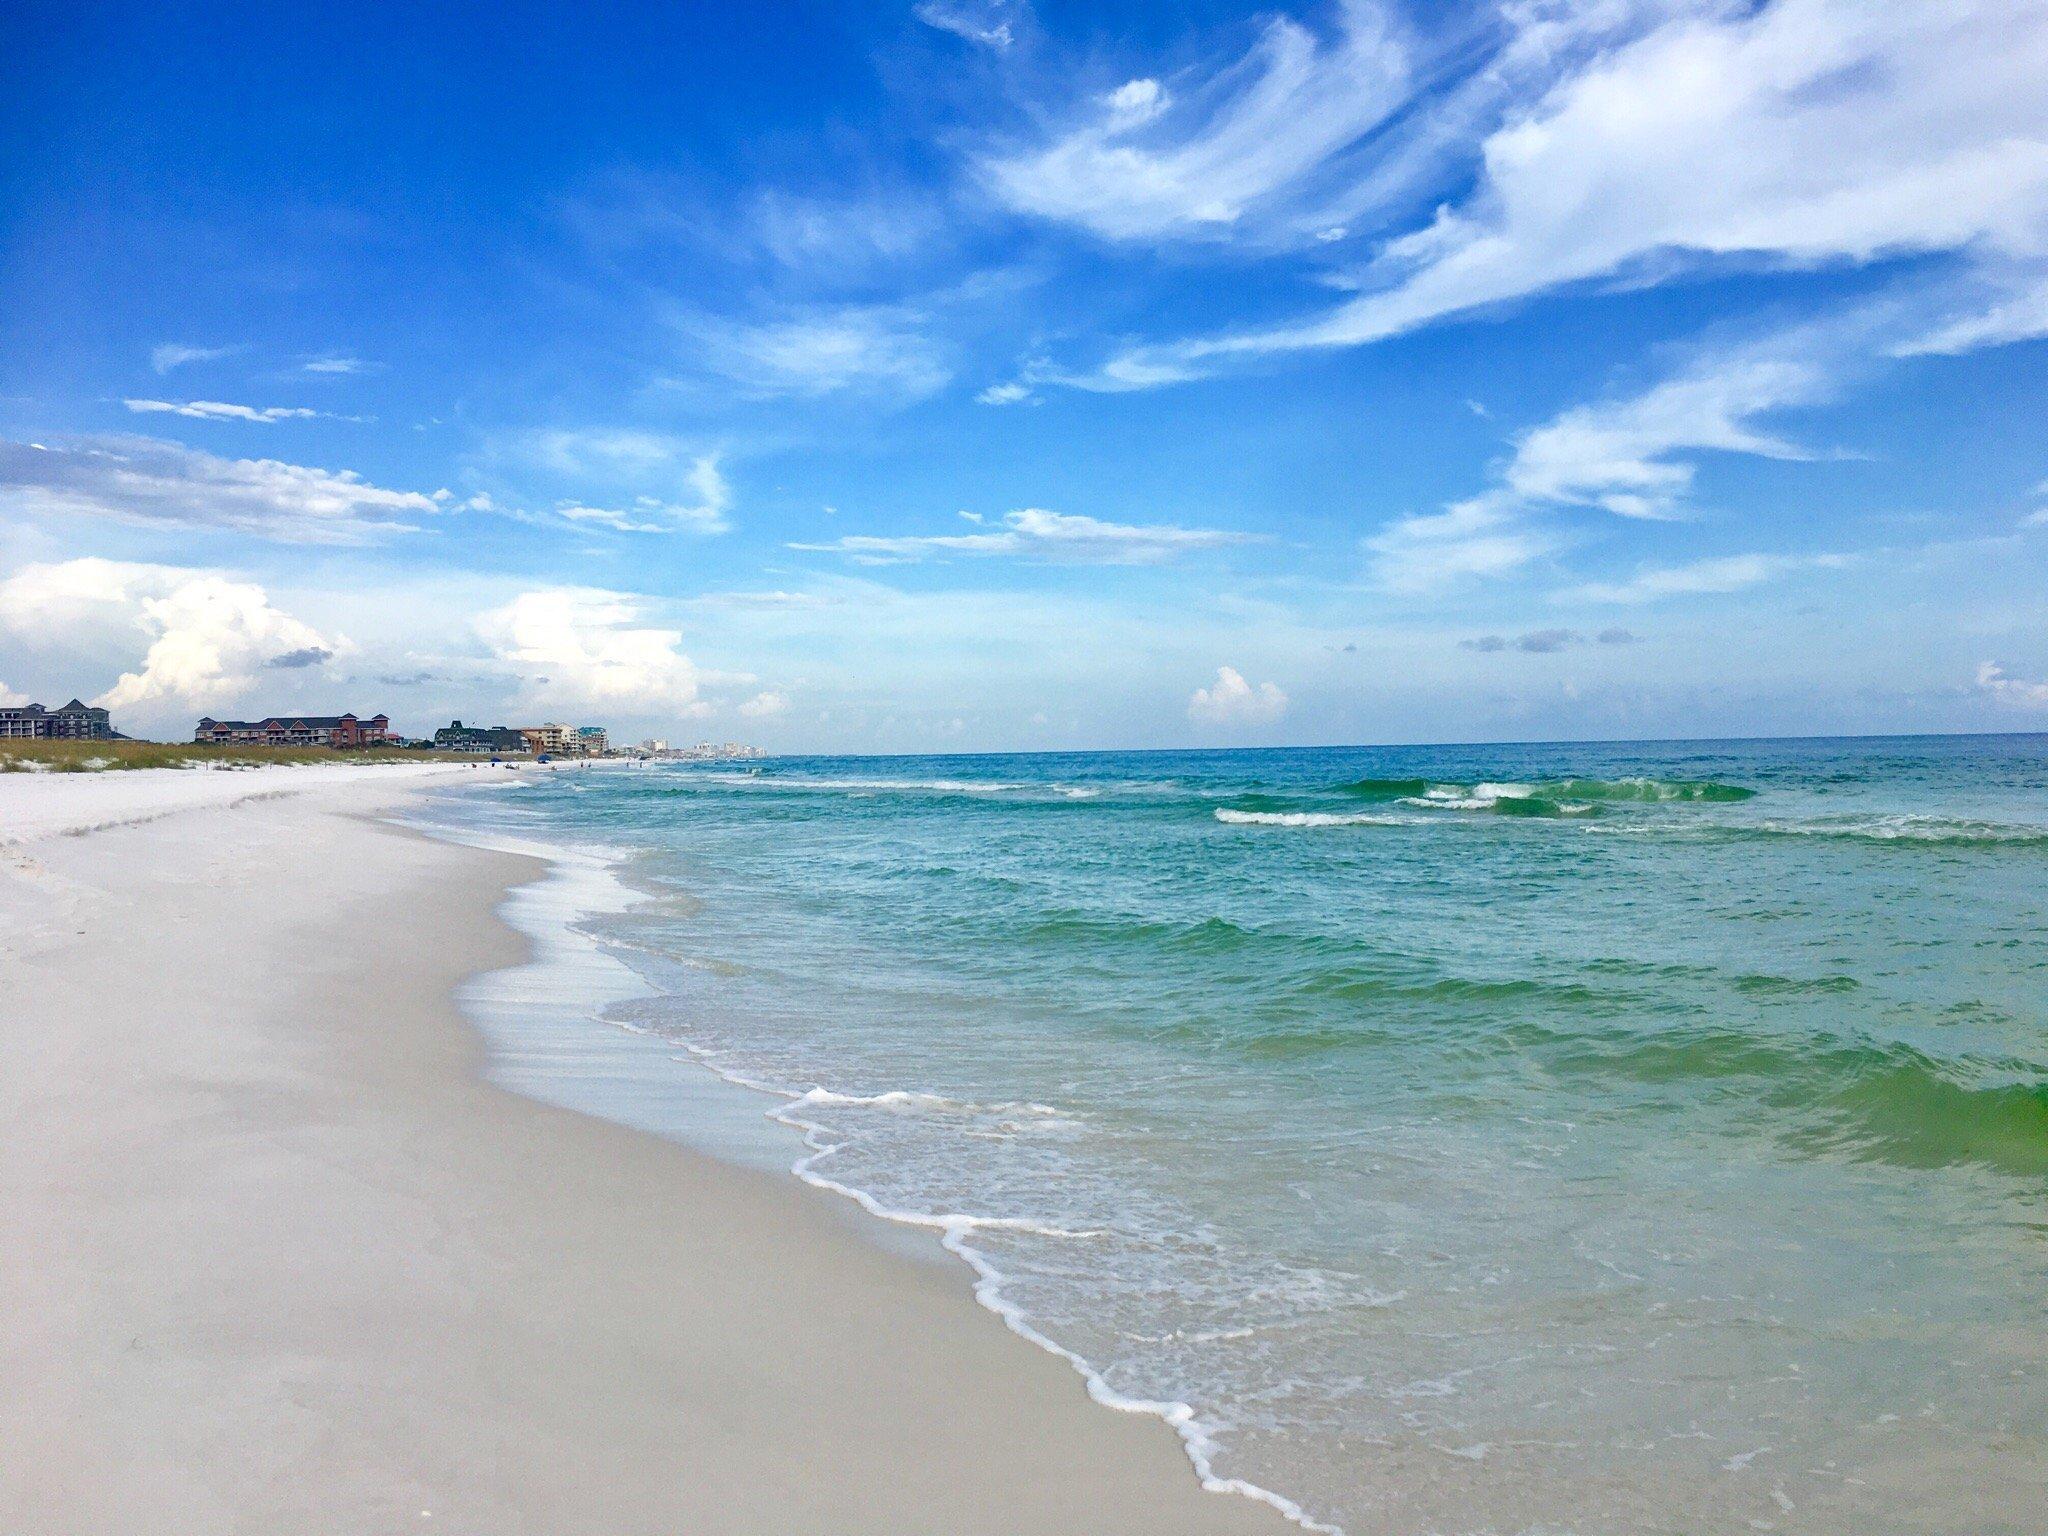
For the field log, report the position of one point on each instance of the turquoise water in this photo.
(1490, 1139)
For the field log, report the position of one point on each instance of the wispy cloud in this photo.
(336, 363)
(1035, 534)
(149, 480)
(1802, 132)
(704, 513)
(1630, 456)
(173, 354)
(990, 23)
(857, 349)
(1726, 573)
(1426, 552)
(1148, 160)
(1620, 454)
(221, 410)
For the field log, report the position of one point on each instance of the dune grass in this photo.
(105, 756)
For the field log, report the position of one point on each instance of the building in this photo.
(592, 740)
(70, 722)
(457, 737)
(343, 731)
(549, 738)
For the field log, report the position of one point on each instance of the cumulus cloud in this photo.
(1035, 534)
(208, 636)
(221, 410)
(149, 480)
(584, 647)
(1994, 680)
(1141, 162)
(764, 705)
(1230, 700)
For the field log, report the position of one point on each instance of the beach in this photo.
(280, 1258)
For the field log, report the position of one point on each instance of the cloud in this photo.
(990, 23)
(856, 349)
(334, 363)
(1035, 534)
(1230, 700)
(1478, 538)
(1727, 573)
(577, 647)
(704, 513)
(10, 698)
(2016, 310)
(1804, 133)
(209, 635)
(764, 705)
(1619, 455)
(220, 410)
(1004, 394)
(606, 450)
(1142, 163)
(1545, 641)
(149, 480)
(1536, 641)
(1992, 679)
(172, 355)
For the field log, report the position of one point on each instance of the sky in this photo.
(961, 375)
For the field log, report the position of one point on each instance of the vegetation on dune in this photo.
(101, 756)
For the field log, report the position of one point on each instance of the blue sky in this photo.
(975, 374)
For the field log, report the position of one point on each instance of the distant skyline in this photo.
(982, 375)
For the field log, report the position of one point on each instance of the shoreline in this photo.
(286, 1260)
(720, 1113)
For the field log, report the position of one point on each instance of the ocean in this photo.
(1543, 1139)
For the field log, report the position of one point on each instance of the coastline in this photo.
(285, 1260)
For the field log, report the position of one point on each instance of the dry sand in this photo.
(275, 1259)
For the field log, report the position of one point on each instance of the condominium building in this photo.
(549, 738)
(297, 731)
(75, 721)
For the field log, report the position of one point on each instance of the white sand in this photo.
(275, 1259)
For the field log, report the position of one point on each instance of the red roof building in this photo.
(297, 731)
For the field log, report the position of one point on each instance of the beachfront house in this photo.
(344, 731)
(75, 721)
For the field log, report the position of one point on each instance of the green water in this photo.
(1507, 1139)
